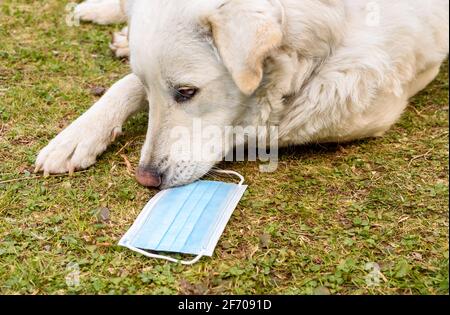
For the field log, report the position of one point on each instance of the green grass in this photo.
(311, 227)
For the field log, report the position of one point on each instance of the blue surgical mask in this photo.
(188, 219)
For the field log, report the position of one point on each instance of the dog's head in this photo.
(200, 62)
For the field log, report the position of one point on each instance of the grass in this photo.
(310, 228)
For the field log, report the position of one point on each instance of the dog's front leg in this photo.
(78, 146)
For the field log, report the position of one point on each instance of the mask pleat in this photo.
(162, 216)
(184, 216)
(179, 243)
(197, 239)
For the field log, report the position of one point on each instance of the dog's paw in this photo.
(100, 12)
(74, 149)
(119, 44)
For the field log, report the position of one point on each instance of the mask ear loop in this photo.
(232, 173)
(183, 262)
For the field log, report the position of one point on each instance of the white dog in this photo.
(320, 70)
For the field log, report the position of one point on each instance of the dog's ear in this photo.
(125, 6)
(245, 33)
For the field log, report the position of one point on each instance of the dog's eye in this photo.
(185, 94)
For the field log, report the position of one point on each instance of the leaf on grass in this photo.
(98, 90)
(103, 215)
(264, 240)
(402, 269)
(192, 289)
(322, 291)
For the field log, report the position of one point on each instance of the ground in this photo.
(321, 224)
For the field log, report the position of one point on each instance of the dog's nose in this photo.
(148, 177)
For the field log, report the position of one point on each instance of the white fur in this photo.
(319, 69)
(119, 44)
(101, 11)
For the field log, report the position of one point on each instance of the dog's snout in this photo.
(148, 177)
